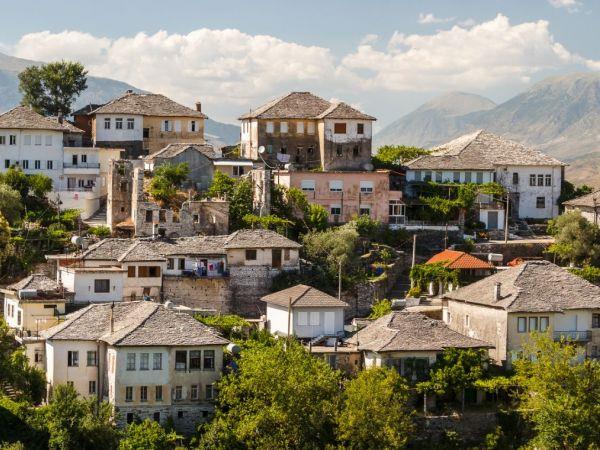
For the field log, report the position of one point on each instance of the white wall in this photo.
(82, 284)
(350, 130)
(278, 319)
(119, 135)
(58, 370)
(448, 175)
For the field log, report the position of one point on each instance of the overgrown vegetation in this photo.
(380, 309)
(166, 180)
(576, 240)
(423, 274)
(395, 156)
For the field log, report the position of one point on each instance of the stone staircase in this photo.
(98, 218)
(7, 389)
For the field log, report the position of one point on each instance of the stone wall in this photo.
(119, 191)
(212, 294)
(192, 415)
(133, 149)
(514, 249)
(471, 427)
(248, 284)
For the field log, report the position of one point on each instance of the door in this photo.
(74, 160)
(329, 325)
(492, 220)
(276, 258)
(71, 183)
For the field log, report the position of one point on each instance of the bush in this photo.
(380, 308)
(101, 231)
(229, 325)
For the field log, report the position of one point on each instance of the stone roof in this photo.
(173, 150)
(590, 200)
(37, 281)
(139, 323)
(109, 249)
(259, 239)
(403, 331)
(453, 259)
(303, 296)
(533, 286)
(85, 110)
(481, 150)
(304, 105)
(147, 105)
(22, 117)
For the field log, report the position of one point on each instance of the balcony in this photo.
(573, 336)
(81, 168)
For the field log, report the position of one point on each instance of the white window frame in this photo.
(48, 140)
(332, 207)
(192, 126)
(308, 185)
(107, 123)
(366, 187)
(310, 128)
(37, 139)
(302, 318)
(364, 207)
(119, 123)
(283, 127)
(177, 124)
(315, 318)
(300, 127)
(130, 123)
(336, 186)
(270, 127)
(26, 139)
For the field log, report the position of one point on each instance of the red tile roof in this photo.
(459, 260)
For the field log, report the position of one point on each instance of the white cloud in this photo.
(369, 39)
(488, 54)
(569, 5)
(467, 22)
(430, 18)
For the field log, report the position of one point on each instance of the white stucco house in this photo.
(532, 178)
(147, 360)
(588, 205)
(310, 313)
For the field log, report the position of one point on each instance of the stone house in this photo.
(309, 312)
(143, 124)
(408, 341)
(145, 359)
(535, 296)
(532, 178)
(588, 205)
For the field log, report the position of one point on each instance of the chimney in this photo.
(112, 318)
(199, 106)
(60, 116)
(497, 291)
(129, 91)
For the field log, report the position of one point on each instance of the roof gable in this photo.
(303, 296)
(22, 117)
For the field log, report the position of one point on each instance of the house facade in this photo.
(148, 361)
(532, 179)
(143, 124)
(588, 205)
(310, 313)
(535, 296)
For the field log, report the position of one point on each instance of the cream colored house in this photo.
(536, 296)
(588, 205)
(147, 360)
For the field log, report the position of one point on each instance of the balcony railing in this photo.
(575, 336)
(80, 189)
(81, 165)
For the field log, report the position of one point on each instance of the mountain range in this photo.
(559, 116)
(99, 90)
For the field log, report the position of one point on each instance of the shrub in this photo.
(101, 231)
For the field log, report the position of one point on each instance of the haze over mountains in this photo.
(99, 90)
(559, 115)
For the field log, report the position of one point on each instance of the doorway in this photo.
(276, 258)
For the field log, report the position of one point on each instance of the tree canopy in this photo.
(394, 156)
(52, 88)
(576, 240)
(148, 435)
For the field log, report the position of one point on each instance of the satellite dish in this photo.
(368, 167)
(261, 150)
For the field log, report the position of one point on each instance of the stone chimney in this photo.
(497, 291)
(199, 106)
(112, 318)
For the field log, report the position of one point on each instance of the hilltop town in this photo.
(301, 289)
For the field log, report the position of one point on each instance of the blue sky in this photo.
(384, 56)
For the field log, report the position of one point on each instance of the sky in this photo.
(385, 57)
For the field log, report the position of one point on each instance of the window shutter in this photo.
(178, 126)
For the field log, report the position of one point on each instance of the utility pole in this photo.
(340, 280)
(506, 212)
(289, 324)
(414, 251)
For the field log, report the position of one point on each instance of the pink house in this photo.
(350, 193)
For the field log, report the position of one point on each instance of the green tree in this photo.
(560, 394)
(39, 184)
(17, 180)
(380, 309)
(395, 156)
(222, 185)
(569, 191)
(576, 240)
(279, 398)
(316, 217)
(102, 231)
(175, 174)
(229, 325)
(11, 205)
(240, 204)
(79, 424)
(52, 88)
(148, 435)
(375, 412)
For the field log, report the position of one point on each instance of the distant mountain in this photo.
(99, 90)
(559, 115)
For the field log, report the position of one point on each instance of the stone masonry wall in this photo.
(471, 427)
(248, 284)
(213, 294)
(192, 415)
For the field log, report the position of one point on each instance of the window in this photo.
(438, 177)
(286, 254)
(180, 414)
(167, 126)
(515, 178)
(335, 210)
(194, 392)
(595, 320)
(149, 214)
(80, 183)
(300, 127)
(144, 361)
(251, 254)
(73, 358)
(467, 320)
(49, 165)
(92, 358)
(178, 394)
(302, 318)
(544, 323)
(396, 211)
(38, 357)
(540, 202)
(158, 393)
(162, 215)
(270, 127)
(417, 175)
(129, 416)
(339, 128)
(2, 140)
(479, 177)
(194, 129)
(307, 185)
(210, 392)
(143, 393)
(181, 263)
(540, 180)
(107, 123)
(101, 286)
(37, 164)
(195, 360)
(148, 271)
(157, 361)
(118, 123)
(468, 177)
(146, 133)
(355, 151)
(12, 139)
(48, 140)
(91, 387)
(269, 148)
(177, 124)
(456, 177)
(532, 180)
(339, 151)
(533, 324)
(128, 396)
(336, 186)
(360, 128)
(238, 171)
(181, 360)
(38, 139)
(7, 163)
(130, 361)
(27, 139)
(310, 128)
(364, 210)
(156, 416)
(366, 187)
(130, 123)
(548, 180)
(25, 164)
(209, 360)
(170, 264)
(522, 324)
(131, 272)
(427, 175)
(283, 127)
(19, 317)
(314, 318)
